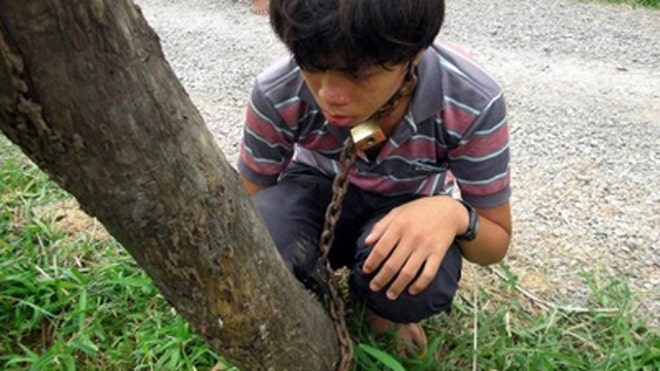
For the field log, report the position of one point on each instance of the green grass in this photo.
(644, 3)
(512, 337)
(69, 301)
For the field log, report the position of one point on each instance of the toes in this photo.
(411, 340)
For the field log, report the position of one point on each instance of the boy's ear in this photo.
(418, 57)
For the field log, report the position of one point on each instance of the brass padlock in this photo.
(367, 135)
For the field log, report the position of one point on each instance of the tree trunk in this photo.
(86, 92)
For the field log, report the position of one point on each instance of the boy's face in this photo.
(349, 98)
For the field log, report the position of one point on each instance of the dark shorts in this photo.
(293, 211)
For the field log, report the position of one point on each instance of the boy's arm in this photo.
(249, 186)
(268, 138)
(492, 241)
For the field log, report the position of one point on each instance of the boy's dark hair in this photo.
(352, 34)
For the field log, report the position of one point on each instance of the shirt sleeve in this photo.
(480, 161)
(267, 144)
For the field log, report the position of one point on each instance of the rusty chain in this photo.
(332, 215)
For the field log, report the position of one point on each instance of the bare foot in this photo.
(259, 7)
(410, 338)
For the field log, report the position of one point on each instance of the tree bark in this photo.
(87, 94)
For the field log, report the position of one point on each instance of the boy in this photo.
(434, 191)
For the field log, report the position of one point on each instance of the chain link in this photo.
(332, 215)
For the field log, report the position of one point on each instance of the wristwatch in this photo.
(473, 224)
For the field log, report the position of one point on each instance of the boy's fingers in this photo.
(391, 268)
(380, 252)
(429, 272)
(378, 229)
(405, 276)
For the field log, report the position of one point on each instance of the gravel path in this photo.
(583, 87)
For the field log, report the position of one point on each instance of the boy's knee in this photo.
(407, 308)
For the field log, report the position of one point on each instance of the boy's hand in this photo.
(412, 237)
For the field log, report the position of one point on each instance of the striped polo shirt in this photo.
(453, 139)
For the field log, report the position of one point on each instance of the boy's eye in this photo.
(360, 75)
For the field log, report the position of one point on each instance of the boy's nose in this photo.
(334, 90)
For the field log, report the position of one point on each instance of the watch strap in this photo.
(473, 224)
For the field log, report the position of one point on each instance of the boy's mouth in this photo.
(339, 120)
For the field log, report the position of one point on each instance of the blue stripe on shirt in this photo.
(484, 181)
(482, 158)
(264, 141)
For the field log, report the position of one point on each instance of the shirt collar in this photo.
(426, 100)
